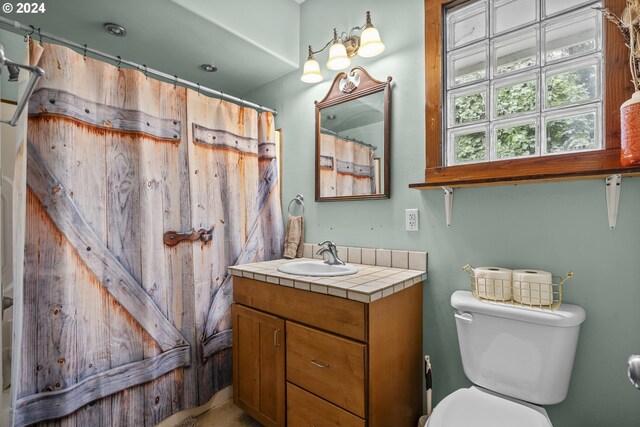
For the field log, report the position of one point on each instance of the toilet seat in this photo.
(478, 407)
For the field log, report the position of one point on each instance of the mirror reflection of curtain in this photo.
(346, 167)
(123, 328)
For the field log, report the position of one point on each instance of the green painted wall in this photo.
(556, 227)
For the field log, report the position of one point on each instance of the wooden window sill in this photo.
(565, 167)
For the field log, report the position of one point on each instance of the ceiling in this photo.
(252, 42)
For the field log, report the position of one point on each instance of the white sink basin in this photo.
(316, 268)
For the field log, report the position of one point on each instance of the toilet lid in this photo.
(479, 408)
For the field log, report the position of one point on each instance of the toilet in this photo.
(518, 358)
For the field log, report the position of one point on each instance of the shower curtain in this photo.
(346, 167)
(118, 328)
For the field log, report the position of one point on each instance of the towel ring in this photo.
(299, 199)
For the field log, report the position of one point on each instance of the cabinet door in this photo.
(258, 365)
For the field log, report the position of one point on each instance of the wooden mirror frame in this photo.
(367, 86)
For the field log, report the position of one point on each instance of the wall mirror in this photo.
(353, 129)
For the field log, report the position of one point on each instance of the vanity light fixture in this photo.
(342, 48)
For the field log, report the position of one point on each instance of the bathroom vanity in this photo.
(343, 351)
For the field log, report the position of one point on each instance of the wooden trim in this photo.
(8, 101)
(617, 83)
(59, 403)
(617, 88)
(96, 255)
(368, 85)
(433, 15)
(280, 141)
(569, 166)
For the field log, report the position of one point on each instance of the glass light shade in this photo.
(370, 43)
(311, 72)
(338, 59)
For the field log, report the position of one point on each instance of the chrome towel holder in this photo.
(299, 199)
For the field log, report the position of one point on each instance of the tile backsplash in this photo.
(413, 260)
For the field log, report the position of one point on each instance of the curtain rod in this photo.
(142, 68)
(357, 141)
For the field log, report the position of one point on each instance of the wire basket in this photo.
(518, 292)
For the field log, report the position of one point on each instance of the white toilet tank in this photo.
(522, 352)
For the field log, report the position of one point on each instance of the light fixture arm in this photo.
(344, 36)
(366, 24)
(360, 28)
(313, 52)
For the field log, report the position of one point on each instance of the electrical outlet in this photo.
(411, 220)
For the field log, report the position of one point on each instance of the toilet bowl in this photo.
(478, 407)
(517, 357)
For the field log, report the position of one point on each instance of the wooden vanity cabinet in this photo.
(259, 365)
(339, 362)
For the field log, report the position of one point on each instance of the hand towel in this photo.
(300, 251)
(294, 237)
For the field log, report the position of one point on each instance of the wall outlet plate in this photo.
(411, 220)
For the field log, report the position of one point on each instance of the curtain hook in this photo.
(175, 82)
(26, 37)
(39, 36)
(221, 96)
(84, 55)
(145, 71)
(119, 62)
(198, 89)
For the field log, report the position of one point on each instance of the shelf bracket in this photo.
(613, 198)
(448, 203)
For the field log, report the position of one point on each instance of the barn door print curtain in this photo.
(346, 167)
(119, 329)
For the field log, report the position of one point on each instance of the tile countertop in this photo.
(369, 284)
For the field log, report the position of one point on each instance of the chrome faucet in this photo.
(332, 252)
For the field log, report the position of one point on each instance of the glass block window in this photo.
(523, 78)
